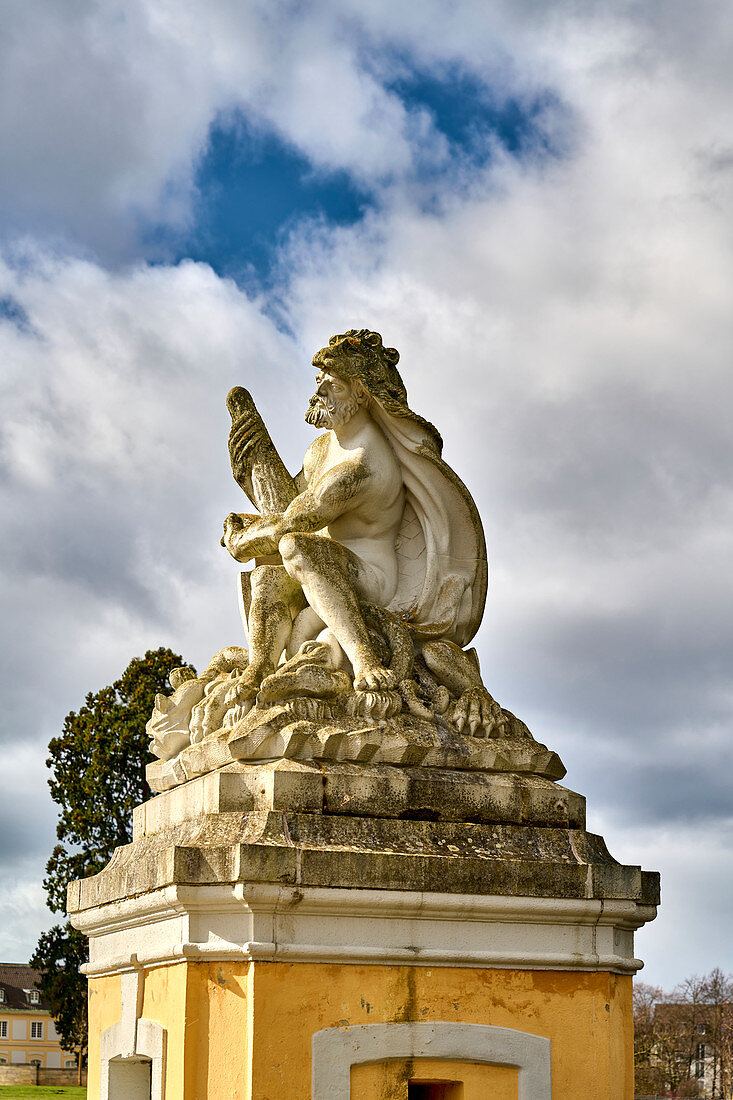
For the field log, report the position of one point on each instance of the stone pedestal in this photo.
(288, 929)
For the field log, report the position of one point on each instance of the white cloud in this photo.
(23, 914)
(27, 823)
(106, 108)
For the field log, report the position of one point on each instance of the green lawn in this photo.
(39, 1092)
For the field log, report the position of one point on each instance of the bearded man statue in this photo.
(375, 518)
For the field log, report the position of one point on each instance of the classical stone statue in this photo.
(369, 580)
(371, 486)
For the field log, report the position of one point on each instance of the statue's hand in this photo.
(247, 536)
(247, 431)
(243, 441)
(234, 537)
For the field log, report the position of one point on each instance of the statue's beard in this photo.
(331, 414)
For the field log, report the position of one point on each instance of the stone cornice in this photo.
(362, 926)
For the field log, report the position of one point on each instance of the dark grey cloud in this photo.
(662, 791)
(27, 820)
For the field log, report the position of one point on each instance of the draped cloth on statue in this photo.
(443, 571)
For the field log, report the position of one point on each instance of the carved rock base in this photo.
(404, 740)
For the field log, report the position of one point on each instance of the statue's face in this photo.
(335, 401)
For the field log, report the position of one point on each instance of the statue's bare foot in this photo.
(369, 675)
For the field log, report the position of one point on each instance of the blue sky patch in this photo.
(472, 121)
(12, 310)
(462, 108)
(251, 189)
(476, 117)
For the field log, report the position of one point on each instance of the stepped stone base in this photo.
(358, 827)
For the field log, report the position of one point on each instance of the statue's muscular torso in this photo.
(362, 480)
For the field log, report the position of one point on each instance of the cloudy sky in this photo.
(533, 201)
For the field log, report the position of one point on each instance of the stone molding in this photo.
(399, 830)
(270, 923)
(335, 1050)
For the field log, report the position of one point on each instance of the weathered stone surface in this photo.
(370, 790)
(404, 740)
(356, 641)
(382, 826)
(311, 850)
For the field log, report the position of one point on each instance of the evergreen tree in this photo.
(98, 776)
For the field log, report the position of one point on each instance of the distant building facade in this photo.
(27, 1032)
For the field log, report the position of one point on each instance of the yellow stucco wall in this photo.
(586, 1016)
(219, 1002)
(165, 1000)
(104, 1010)
(223, 1018)
(471, 1081)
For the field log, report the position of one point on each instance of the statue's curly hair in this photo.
(360, 353)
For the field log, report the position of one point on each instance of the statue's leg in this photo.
(333, 579)
(276, 600)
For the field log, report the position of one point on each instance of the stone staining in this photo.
(367, 582)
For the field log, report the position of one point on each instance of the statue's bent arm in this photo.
(336, 491)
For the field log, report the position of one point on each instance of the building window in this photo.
(3, 1029)
(2, 996)
(35, 997)
(70, 1063)
(36, 1030)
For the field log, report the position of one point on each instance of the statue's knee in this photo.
(291, 548)
(437, 656)
(287, 547)
(296, 551)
